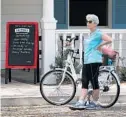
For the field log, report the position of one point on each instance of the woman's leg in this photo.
(95, 95)
(85, 82)
(80, 104)
(94, 72)
(94, 80)
(83, 94)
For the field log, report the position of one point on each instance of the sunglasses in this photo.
(89, 22)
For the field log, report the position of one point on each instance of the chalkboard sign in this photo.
(22, 45)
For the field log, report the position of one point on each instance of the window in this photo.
(78, 9)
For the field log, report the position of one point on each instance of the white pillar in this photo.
(48, 27)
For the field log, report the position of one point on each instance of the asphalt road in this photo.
(119, 110)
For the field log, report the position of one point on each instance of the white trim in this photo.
(84, 27)
(79, 31)
(68, 14)
(110, 13)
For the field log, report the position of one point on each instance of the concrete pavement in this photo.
(17, 93)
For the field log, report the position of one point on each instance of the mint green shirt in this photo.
(91, 54)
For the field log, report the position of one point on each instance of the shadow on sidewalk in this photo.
(20, 75)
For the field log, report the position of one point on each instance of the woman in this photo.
(92, 62)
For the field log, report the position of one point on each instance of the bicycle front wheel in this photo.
(55, 90)
(109, 89)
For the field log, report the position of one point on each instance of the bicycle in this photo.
(58, 86)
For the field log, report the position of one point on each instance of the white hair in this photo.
(93, 18)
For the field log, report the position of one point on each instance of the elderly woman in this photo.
(92, 62)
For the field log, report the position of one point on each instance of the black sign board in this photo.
(22, 45)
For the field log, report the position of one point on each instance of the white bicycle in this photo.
(58, 86)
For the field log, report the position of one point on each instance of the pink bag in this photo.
(109, 51)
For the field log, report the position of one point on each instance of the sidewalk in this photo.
(17, 93)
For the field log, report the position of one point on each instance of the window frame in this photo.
(84, 27)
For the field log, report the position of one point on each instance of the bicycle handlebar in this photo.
(70, 39)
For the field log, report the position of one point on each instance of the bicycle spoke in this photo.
(66, 94)
(51, 94)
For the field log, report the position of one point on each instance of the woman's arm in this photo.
(107, 40)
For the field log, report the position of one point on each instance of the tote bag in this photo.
(109, 51)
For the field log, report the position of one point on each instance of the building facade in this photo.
(54, 16)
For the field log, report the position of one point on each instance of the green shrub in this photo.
(122, 74)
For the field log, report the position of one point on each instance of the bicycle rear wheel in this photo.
(54, 93)
(109, 89)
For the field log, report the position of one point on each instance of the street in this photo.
(119, 110)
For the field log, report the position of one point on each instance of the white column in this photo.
(48, 27)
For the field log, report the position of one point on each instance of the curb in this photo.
(36, 101)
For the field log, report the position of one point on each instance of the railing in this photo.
(118, 36)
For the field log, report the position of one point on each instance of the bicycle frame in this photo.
(69, 64)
